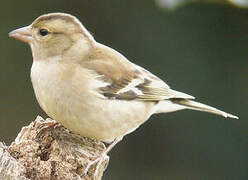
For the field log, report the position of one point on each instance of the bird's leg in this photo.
(103, 156)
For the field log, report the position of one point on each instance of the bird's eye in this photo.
(44, 32)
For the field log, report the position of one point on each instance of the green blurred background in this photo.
(200, 49)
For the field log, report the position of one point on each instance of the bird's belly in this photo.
(84, 112)
(96, 118)
(104, 119)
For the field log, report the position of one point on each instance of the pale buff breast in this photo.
(68, 98)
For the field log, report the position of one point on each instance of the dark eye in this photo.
(44, 32)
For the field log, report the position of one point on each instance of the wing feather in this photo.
(126, 80)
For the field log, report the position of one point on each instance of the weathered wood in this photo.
(51, 153)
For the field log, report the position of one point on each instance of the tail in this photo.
(189, 104)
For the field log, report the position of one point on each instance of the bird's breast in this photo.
(51, 86)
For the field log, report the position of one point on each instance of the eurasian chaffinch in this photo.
(90, 88)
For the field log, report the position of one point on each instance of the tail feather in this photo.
(189, 104)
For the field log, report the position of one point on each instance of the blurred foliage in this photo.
(199, 49)
(173, 4)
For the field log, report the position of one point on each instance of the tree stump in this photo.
(50, 154)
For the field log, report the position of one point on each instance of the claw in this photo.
(47, 126)
(106, 157)
(98, 161)
(103, 156)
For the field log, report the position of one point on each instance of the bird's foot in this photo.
(103, 156)
(48, 126)
(98, 161)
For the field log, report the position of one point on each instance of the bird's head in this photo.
(55, 34)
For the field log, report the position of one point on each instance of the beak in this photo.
(23, 34)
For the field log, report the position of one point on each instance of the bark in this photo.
(43, 153)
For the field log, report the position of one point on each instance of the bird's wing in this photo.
(153, 88)
(128, 81)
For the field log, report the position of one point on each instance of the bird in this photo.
(92, 89)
